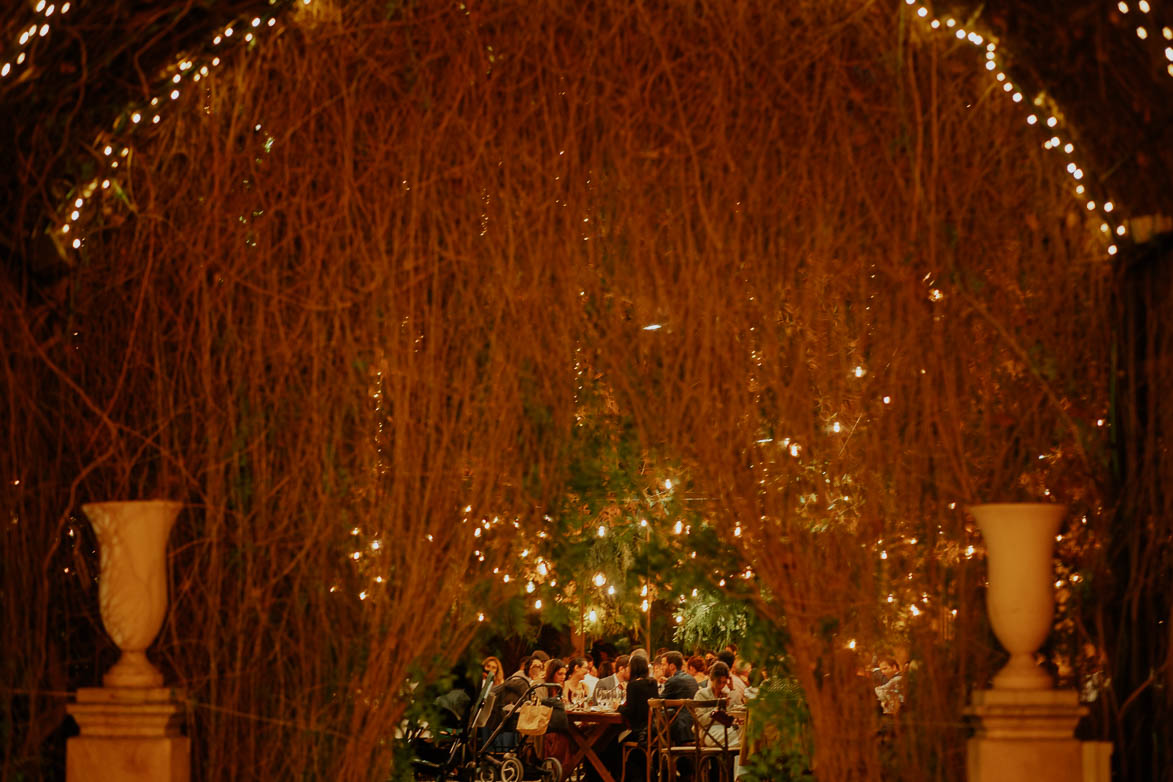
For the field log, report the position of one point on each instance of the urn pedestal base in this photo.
(1029, 736)
(128, 735)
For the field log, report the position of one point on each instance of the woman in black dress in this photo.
(640, 689)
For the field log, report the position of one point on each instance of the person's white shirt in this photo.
(718, 734)
(738, 686)
(590, 682)
(891, 694)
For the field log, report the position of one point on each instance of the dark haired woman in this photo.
(576, 692)
(641, 688)
(556, 744)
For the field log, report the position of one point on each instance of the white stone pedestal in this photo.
(128, 734)
(1025, 736)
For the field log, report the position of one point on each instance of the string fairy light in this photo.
(1035, 118)
(40, 28)
(1142, 32)
(70, 232)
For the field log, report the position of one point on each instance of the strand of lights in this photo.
(113, 150)
(1048, 122)
(38, 29)
(1142, 31)
(1147, 28)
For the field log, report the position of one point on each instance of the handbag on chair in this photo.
(533, 719)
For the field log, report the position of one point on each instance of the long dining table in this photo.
(589, 731)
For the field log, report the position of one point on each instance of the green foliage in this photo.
(714, 619)
(778, 732)
(628, 540)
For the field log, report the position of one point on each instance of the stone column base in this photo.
(1025, 736)
(128, 735)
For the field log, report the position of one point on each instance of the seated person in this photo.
(491, 669)
(737, 685)
(508, 693)
(720, 729)
(576, 691)
(614, 685)
(640, 689)
(698, 669)
(555, 673)
(591, 677)
(556, 743)
(678, 685)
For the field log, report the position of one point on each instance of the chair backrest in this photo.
(661, 714)
(702, 724)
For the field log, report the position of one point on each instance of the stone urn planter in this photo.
(132, 586)
(1019, 540)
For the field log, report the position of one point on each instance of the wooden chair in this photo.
(712, 740)
(641, 747)
(661, 714)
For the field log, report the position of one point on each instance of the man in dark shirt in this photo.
(679, 685)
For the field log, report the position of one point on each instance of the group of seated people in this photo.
(630, 681)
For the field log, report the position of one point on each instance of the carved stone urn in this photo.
(132, 586)
(1021, 602)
